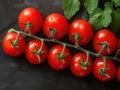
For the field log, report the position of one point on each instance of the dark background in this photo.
(18, 74)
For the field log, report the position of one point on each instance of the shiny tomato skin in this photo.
(76, 67)
(58, 22)
(53, 60)
(33, 16)
(30, 49)
(83, 28)
(118, 73)
(105, 35)
(99, 64)
(13, 51)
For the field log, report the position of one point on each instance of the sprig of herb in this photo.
(107, 17)
(71, 7)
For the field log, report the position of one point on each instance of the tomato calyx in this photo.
(77, 38)
(104, 45)
(37, 51)
(62, 54)
(15, 42)
(103, 71)
(28, 26)
(84, 64)
(52, 32)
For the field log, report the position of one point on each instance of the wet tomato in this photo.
(36, 52)
(59, 57)
(80, 66)
(55, 26)
(13, 44)
(30, 20)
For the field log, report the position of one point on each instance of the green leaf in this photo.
(101, 18)
(108, 5)
(116, 3)
(71, 7)
(91, 5)
(115, 25)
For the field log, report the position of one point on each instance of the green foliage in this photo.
(70, 8)
(99, 18)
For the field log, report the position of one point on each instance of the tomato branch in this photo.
(67, 44)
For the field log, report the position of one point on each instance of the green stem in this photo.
(77, 38)
(28, 26)
(62, 55)
(15, 42)
(104, 59)
(104, 68)
(104, 45)
(64, 46)
(87, 58)
(36, 53)
(68, 45)
(52, 32)
(40, 50)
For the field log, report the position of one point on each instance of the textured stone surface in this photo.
(18, 74)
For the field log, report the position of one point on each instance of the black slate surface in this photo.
(18, 74)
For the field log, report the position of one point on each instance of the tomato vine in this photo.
(67, 44)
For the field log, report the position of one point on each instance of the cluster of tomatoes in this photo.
(55, 26)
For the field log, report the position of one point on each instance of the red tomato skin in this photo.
(32, 58)
(7, 46)
(118, 73)
(83, 28)
(53, 60)
(98, 64)
(33, 16)
(58, 22)
(77, 69)
(105, 35)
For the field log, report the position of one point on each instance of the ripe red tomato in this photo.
(54, 61)
(118, 73)
(81, 28)
(57, 22)
(105, 36)
(78, 67)
(99, 65)
(15, 50)
(33, 53)
(32, 17)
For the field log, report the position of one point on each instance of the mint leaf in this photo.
(115, 25)
(91, 5)
(101, 18)
(71, 7)
(116, 3)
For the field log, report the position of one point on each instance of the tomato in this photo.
(107, 75)
(118, 73)
(36, 52)
(82, 30)
(16, 49)
(57, 23)
(55, 61)
(79, 67)
(107, 37)
(30, 18)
